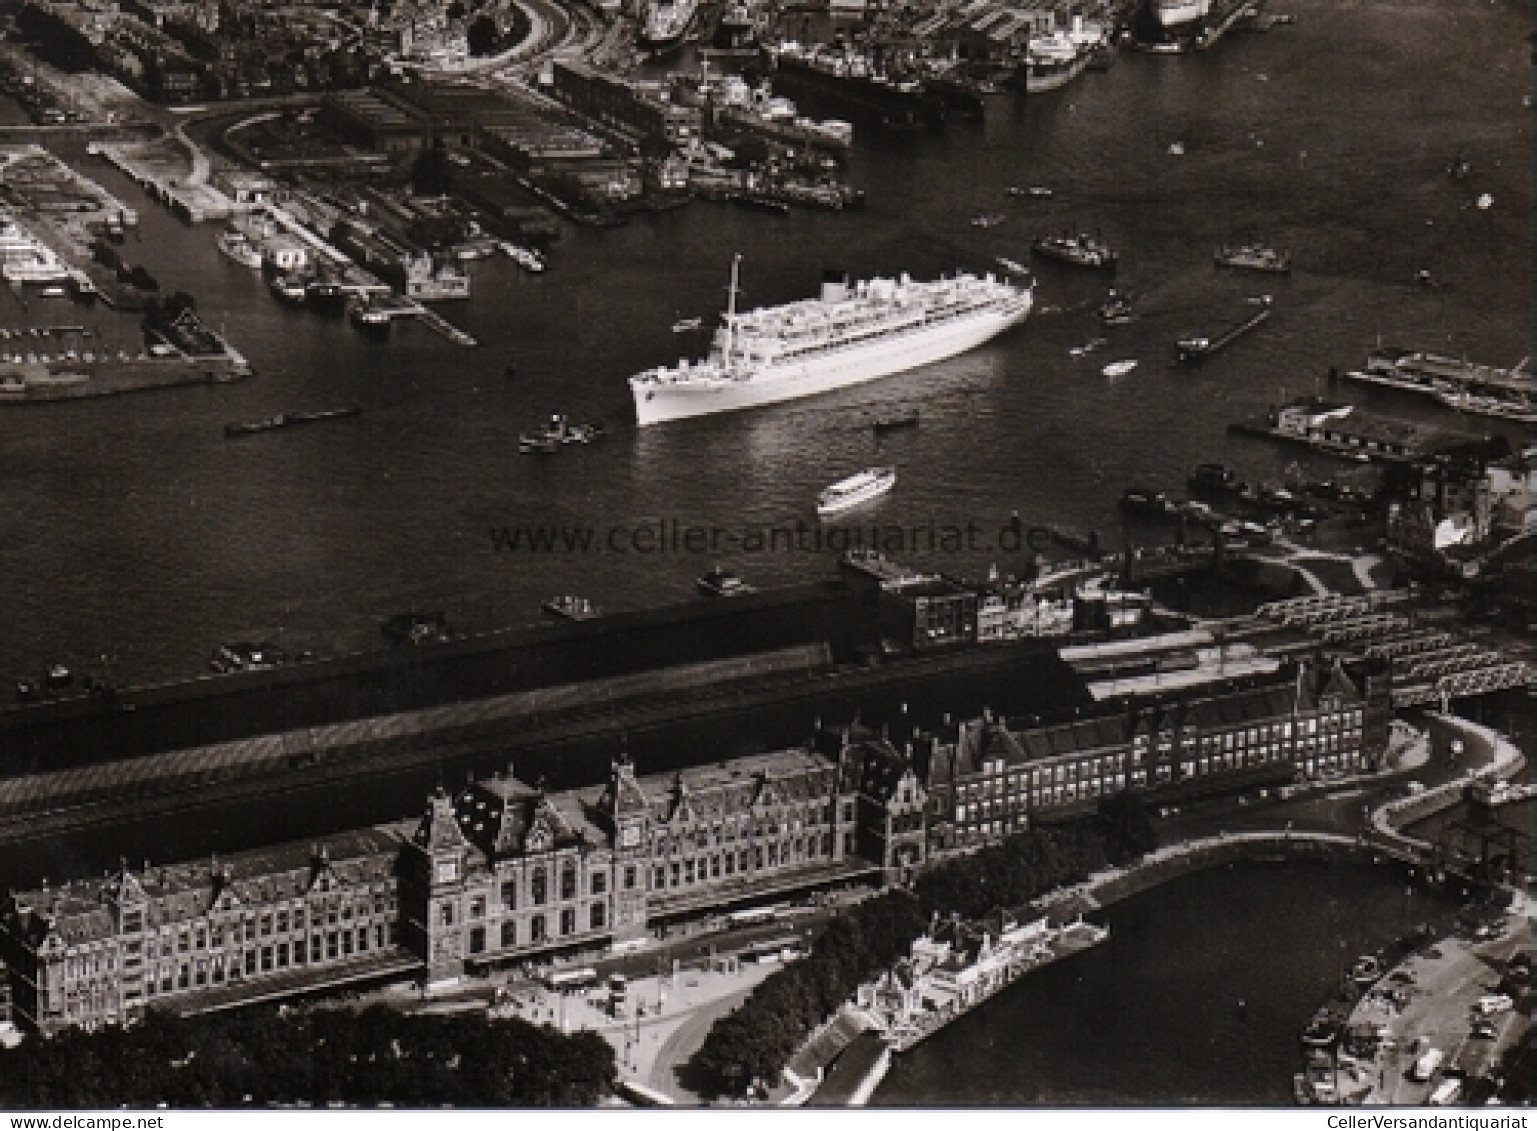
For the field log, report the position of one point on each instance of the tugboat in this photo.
(557, 433)
(367, 316)
(720, 582)
(289, 288)
(1116, 309)
(1253, 257)
(572, 608)
(1082, 250)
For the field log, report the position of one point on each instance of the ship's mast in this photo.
(731, 291)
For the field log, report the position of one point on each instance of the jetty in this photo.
(1199, 348)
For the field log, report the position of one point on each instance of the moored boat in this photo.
(289, 288)
(1323, 1030)
(236, 245)
(856, 490)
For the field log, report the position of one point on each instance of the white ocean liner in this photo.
(851, 334)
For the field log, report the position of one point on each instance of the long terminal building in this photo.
(502, 871)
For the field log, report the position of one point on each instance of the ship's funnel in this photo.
(835, 286)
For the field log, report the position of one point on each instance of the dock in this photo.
(1194, 349)
(440, 325)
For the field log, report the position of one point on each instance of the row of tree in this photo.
(267, 1057)
(757, 1040)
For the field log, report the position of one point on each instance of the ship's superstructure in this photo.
(849, 335)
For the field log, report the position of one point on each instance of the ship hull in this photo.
(658, 402)
(1043, 78)
(898, 106)
(1181, 14)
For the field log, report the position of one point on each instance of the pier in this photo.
(1210, 38)
(1196, 349)
(392, 307)
(440, 325)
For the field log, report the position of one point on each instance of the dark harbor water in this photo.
(1152, 1017)
(131, 529)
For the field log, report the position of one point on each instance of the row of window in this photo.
(817, 813)
(538, 928)
(539, 888)
(682, 873)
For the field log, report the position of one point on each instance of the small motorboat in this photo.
(720, 582)
(1119, 368)
(1088, 347)
(988, 219)
(687, 325)
(572, 608)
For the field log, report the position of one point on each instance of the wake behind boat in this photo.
(288, 419)
(852, 333)
(856, 490)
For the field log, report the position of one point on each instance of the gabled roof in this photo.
(439, 828)
(504, 817)
(1080, 737)
(874, 768)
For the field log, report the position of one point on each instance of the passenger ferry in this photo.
(849, 335)
(856, 490)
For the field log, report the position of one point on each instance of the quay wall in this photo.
(272, 753)
(1195, 856)
(92, 729)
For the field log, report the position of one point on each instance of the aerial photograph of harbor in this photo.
(767, 554)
